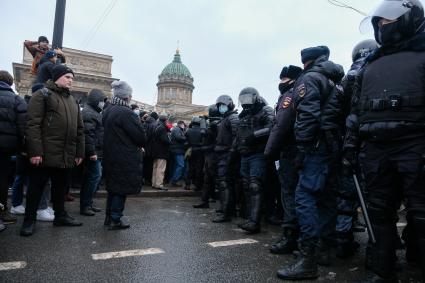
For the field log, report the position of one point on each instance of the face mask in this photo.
(223, 109)
(181, 127)
(284, 87)
(389, 34)
(137, 111)
(101, 104)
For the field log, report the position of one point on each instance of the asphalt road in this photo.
(168, 241)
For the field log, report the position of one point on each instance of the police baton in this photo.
(364, 210)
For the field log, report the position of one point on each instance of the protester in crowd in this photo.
(151, 121)
(47, 62)
(13, 111)
(55, 144)
(38, 49)
(177, 149)
(124, 137)
(93, 131)
(195, 136)
(160, 152)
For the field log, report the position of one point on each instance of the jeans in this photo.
(18, 189)
(315, 196)
(6, 171)
(115, 206)
(347, 204)
(178, 167)
(92, 174)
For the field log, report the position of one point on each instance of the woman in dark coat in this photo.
(124, 136)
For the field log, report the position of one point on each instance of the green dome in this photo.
(176, 67)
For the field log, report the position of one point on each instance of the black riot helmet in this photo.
(196, 120)
(213, 111)
(408, 13)
(248, 97)
(226, 100)
(363, 49)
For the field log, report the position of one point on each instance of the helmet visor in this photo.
(247, 99)
(388, 9)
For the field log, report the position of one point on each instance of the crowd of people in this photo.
(297, 164)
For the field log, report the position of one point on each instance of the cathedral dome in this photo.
(176, 68)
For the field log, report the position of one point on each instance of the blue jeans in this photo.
(91, 177)
(18, 192)
(347, 204)
(115, 206)
(315, 196)
(178, 167)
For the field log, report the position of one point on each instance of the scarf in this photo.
(119, 101)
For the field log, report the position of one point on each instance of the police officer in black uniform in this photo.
(281, 146)
(318, 138)
(387, 127)
(226, 134)
(210, 165)
(255, 123)
(195, 136)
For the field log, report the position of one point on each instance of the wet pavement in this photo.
(168, 241)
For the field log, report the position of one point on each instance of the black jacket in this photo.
(124, 137)
(149, 125)
(254, 129)
(93, 128)
(226, 131)
(317, 102)
(178, 141)
(44, 71)
(13, 111)
(282, 133)
(160, 147)
(195, 138)
(389, 99)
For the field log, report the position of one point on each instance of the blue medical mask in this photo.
(223, 109)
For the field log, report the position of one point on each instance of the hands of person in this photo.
(78, 160)
(93, 157)
(36, 160)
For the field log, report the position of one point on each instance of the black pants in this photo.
(6, 170)
(38, 177)
(210, 168)
(393, 170)
(196, 166)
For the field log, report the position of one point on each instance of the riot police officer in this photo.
(347, 196)
(195, 136)
(255, 123)
(317, 133)
(210, 165)
(387, 127)
(226, 134)
(281, 146)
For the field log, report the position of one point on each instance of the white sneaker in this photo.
(50, 210)
(18, 210)
(44, 215)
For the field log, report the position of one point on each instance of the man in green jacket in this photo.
(55, 144)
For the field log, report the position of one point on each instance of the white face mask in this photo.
(101, 104)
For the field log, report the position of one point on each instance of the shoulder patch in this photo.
(301, 90)
(286, 102)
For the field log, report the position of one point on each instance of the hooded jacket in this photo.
(93, 128)
(55, 128)
(317, 102)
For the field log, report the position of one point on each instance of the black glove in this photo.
(349, 158)
(299, 160)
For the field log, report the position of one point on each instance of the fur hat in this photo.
(312, 53)
(60, 70)
(42, 38)
(121, 89)
(291, 72)
(6, 77)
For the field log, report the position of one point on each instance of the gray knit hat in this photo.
(121, 89)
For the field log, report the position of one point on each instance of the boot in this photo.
(87, 211)
(2, 226)
(346, 246)
(7, 217)
(374, 278)
(202, 205)
(119, 225)
(221, 218)
(95, 208)
(66, 220)
(107, 220)
(27, 228)
(225, 198)
(419, 229)
(287, 244)
(304, 268)
(323, 254)
(251, 227)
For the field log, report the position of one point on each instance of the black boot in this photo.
(323, 254)
(304, 268)
(27, 228)
(87, 211)
(346, 246)
(221, 218)
(119, 225)
(251, 227)
(287, 244)
(65, 220)
(226, 202)
(202, 205)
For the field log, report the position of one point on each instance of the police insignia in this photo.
(286, 102)
(301, 90)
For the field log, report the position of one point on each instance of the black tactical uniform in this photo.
(387, 125)
(226, 134)
(195, 137)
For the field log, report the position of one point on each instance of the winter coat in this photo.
(160, 142)
(178, 141)
(226, 131)
(93, 128)
(124, 136)
(149, 125)
(44, 72)
(13, 111)
(317, 103)
(55, 129)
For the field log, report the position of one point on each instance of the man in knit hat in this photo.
(55, 144)
(123, 138)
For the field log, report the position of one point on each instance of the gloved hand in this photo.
(349, 158)
(299, 160)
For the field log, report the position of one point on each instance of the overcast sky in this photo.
(226, 44)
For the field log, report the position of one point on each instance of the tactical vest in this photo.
(247, 126)
(393, 89)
